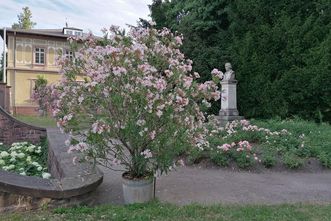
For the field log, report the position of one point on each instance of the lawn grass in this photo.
(318, 135)
(37, 121)
(168, 212)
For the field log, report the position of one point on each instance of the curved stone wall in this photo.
(71, 184)
(13, 130)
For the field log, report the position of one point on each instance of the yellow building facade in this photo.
(32, 53)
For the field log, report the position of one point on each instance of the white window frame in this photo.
(39, 53)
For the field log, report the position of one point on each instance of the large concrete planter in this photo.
(138, 191)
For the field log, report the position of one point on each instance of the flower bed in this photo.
(25, 158)
(244, 144)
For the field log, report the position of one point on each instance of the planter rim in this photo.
(136, 181)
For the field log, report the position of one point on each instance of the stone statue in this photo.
(229, 74)
(229, 111)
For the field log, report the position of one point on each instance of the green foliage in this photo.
(37, 121)
(24, 20)
(289, 143)
(195, 155)
(40, 92)
(281, 50)
(243, 160)
(325, 159)
(219, 159)
(40, 82)
(268, 159)
(165, 212)
(292, 161)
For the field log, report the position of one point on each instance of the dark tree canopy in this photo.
(280, 50)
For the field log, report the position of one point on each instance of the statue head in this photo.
(228, 66)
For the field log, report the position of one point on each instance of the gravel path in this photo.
(208, 186)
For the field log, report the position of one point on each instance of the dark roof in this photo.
(73, 28)
(43, 32)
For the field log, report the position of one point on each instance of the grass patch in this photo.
(317, 136)
(168, 212)
(37, 121)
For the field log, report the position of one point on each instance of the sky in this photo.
(89, 15)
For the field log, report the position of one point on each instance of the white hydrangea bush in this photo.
(23, 158)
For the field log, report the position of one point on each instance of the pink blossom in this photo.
(217, 73)
(159, 113)
(225, 147)
(80, 99)
(187, 82)
(244, 122)
(181, 162)
(152, 134)
(160, 85)
(147, 154)
(178, 40)
(119, 70)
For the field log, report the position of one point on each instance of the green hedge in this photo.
(280, 50)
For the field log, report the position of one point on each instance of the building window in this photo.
(39, 55)
(68, 32)
(69, 54)
(78, 33)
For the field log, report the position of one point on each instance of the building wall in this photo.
(22, 73)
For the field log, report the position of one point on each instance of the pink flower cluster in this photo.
(240, 146)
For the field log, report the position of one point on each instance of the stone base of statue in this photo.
(224, 119)
(229, 110)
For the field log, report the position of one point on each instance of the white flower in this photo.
(35, 164)
(39, 168)
(4, 154)
(11, 166)
(28, 159)
(141, 122)
(2, 162)
(46, 175)
(13, 154)
(31, 148)
(23, 173)
(20, 155)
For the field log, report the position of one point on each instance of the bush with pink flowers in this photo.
(246, 144)
(139, 105)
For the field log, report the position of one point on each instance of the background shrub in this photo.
(280, 50)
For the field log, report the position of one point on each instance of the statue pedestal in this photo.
(229, 110)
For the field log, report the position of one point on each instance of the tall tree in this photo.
(24, 20)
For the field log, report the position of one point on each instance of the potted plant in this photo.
(138, 107)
